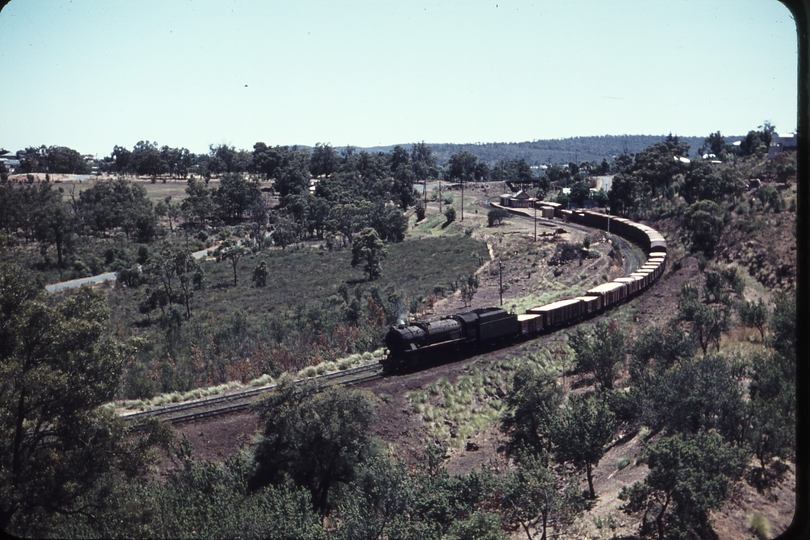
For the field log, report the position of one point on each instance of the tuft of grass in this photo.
(417, 396)
(344, 364)
(307, 372)
(759, 526)
(262, 381)
(623, 462)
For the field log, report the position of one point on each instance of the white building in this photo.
(782, 143)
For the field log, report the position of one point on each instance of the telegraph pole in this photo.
(500, 281)
(535, 221)
(462, 198)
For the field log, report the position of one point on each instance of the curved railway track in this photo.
(199, 409)
(243, 400)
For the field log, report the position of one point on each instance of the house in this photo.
(520, 199)
(782, 143)
(9, 164)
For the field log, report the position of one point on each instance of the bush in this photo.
(623, 462)
(496, 216)
(420, 211)
(450, 214)
(759, 526)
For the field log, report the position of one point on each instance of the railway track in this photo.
(239, 401)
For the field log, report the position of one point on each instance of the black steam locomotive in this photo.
(424, 341)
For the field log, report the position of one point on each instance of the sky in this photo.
(92, 74)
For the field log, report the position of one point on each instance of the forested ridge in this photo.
(313, 254)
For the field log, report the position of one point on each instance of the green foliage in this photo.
(480, 525)
(599, 353)
(450, 215)
(783, 325)
(368, 249)
(200, 500)
(533, 495)
(234, 196)
(420, 211)
(759, 526)
(233, 252)
(469, 285)
(772, 389)
(580, 433)
(118, 204)
(53, 159)
(580, 192)
(317, 439)
(379, 503)
(688, 478)
(58, 365)
(697, 393)
(260, 274)
(704, 181)
(754, 315)
(705, 220)
(170, 277)
(496, 216)
(627, 192)
(198, 206)
(709, 320)
(533, 404)
(461, 167)
(663, 347)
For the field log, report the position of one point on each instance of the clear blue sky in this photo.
(91, 74)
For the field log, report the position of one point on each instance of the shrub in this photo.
(496, 216)
(759, 526)
(450, 214)
(623, 462)
(420, 211)
(307, 372)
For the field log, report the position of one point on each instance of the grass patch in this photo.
(456, 411)
(759, 526)
(413, 266)
(623, 462)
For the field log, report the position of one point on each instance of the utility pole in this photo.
(424, 192)
(462, 198)
(535, 222)
(500, 281)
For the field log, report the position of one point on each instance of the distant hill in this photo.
(548, 151)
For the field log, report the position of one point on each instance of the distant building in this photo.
(521, 199)
(782, 143)
(9, 164)
(603, 182)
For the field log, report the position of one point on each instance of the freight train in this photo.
(424, 342)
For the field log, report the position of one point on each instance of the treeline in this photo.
(51, 159)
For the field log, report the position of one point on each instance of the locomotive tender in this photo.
(422, 342)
